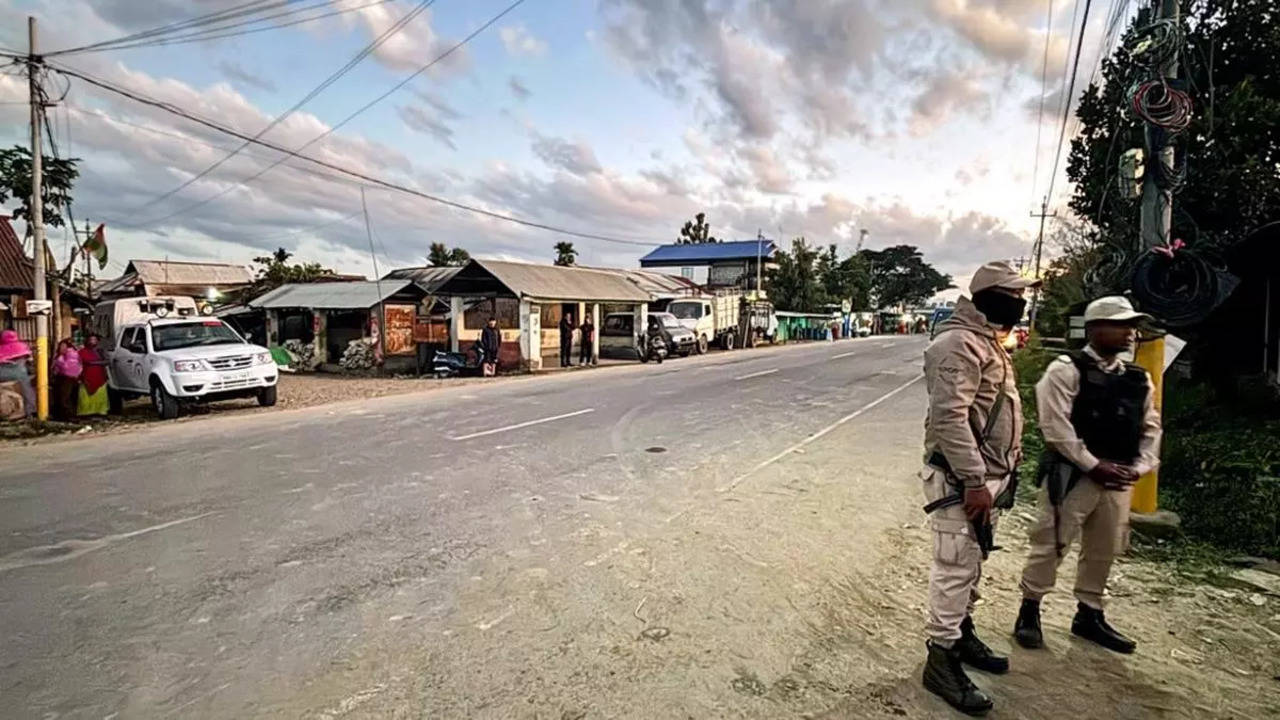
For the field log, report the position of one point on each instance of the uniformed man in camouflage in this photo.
(1102, 429)
(972, 449)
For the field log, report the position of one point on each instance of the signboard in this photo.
(398, 327)
(39, 307)
(428, 330)
(846, 306)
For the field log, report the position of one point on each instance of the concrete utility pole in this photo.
(40, 291)
(1156, 227)
(1043, 214)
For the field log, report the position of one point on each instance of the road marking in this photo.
(800, 445)
(842, 355)
(762, 373)
(68, 549)
(517, 426)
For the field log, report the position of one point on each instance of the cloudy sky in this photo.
(914, 119)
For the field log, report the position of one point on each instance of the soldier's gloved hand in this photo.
(1113, 476)
(977, 503)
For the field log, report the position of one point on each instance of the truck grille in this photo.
(234, 362)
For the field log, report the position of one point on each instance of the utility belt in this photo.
(983, 531)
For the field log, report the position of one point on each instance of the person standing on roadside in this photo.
(66, 380)
(490, 345)
(566, 339)
(1102, 432)
(587, 344)
(973, 443)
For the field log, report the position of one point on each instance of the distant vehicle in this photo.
(762, 322)
(711, 319)
(454, 364)
(655, 347)
(178, 361)
(619, 337)
(939, 316)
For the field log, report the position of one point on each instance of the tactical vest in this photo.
(1109, 410)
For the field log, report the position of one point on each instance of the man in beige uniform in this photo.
(972, 448)
(1099, 421)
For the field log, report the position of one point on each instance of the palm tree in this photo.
(565, 254)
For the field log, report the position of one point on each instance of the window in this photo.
(126, 338)
(686, 310)
(193, 334)
(686, 273)
(618, 324)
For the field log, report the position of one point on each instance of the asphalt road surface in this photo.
(723, 536)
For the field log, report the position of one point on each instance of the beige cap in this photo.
(1114, 308)
(999, 274)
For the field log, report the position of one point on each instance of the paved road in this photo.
(371, 557)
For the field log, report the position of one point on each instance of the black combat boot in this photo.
(1027, 629)
(944, 677)
(1090, 624)
(975, 653)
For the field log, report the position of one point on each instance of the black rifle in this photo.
(983, 531)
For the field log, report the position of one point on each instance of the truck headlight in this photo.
(188, 365)
(263, 358)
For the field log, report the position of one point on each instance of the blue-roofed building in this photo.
(722, 264)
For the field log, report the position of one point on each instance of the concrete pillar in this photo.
(456, 316)
(595, 320)
(531, 335)
(320, 327)
(642, 324)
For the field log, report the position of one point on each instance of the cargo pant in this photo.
(957, 559)
(1100, 518)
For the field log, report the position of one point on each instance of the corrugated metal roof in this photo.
(552, 282)
(428, 278)
(330, 296)
(16, 269)
(168, 272)
(659, 285)
(708, 252)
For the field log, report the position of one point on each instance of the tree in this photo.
(58, 176)
(794, 283)
(1067, 277)
(845, 279)
(565, 254)
(900, 276)
(442, 256)
(1229, 152)
(274, 270)
(696, 231)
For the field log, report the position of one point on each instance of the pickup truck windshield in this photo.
(193, 334)
(686, 311)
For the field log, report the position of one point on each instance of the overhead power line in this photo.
(365, 52)
(1066, 100)
(219, 33)
(169, 108)
(1044, 73)
(237, 11)
(434, 61)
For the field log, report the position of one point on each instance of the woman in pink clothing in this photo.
(67, 369)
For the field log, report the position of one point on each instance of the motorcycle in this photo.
(458, 364)
(655, 349)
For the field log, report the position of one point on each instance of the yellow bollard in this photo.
(42, 378)
(1150, 356)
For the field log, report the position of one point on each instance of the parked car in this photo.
(187, 360)
(619, 337)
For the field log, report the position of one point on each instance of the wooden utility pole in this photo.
(39, 289)
(1156, 227)
(1043, 215)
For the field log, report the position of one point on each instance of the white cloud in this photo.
(519, 42)
(576, 157)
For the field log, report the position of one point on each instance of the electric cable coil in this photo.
(1179, 287)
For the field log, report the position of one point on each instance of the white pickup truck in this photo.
(184, 360)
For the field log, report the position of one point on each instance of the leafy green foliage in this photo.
(846, 279)
(696, 231)
(794, 283)
(58, 177)
(565, 254)
(899, 275)
(441, 256)
(274, 270)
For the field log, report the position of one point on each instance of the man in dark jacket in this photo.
(491, 342)
(587, 344)
(566, 339)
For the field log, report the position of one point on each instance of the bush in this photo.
(1029, 364)
(1221, 470)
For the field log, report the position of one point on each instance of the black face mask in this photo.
(1000, 308)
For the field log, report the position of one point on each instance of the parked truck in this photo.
(712, 318)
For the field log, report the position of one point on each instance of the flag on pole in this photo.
(96, 245)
